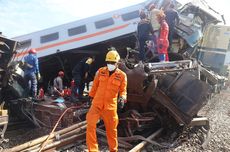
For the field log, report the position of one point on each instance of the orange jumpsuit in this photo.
(104, 92)
(163, 43)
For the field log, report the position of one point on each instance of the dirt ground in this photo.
(22, 135)
(218, 112)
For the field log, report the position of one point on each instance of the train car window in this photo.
(130, 15)
(49, 37)
(77, 30)
(104, 23)
(24, 44)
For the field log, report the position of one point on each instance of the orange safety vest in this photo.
(106, 89)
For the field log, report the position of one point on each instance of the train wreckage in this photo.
(160, 94)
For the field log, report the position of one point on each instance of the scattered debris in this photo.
(164, 99)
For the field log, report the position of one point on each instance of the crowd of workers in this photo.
(80, 75)
(108, 92)
(156, 26)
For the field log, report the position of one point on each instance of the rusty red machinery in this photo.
(156, 95)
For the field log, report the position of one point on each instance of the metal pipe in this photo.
(60, 142)
(57, 138)
(41, 139)
(143, 143)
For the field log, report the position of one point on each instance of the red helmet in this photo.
(32, 51)
(160, 15)
(61, 73)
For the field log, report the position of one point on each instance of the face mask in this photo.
(111, 67)
(89, 61)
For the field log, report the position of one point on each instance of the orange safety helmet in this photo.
(61, 73)
(160, 15)
(32, 51)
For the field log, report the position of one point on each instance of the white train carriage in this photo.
(81, 33)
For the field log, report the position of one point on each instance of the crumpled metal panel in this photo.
(139, 88)
(166, 102)
(7, 48)
(186, 93)
(194, 17)
(192, 35)
(48, 113)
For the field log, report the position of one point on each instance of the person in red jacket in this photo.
(162, 42)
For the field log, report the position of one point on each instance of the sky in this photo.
(19, 17)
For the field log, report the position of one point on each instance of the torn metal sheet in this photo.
(194, 17)
(192, 35)
(140, 86)
(183, 94)
(48, 113)
(7, 50)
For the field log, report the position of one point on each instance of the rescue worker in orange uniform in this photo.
(108, 93)
(162, 42)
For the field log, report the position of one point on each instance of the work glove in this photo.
(38, 76)
(90, 101)
(21, 63)
(121, 103)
